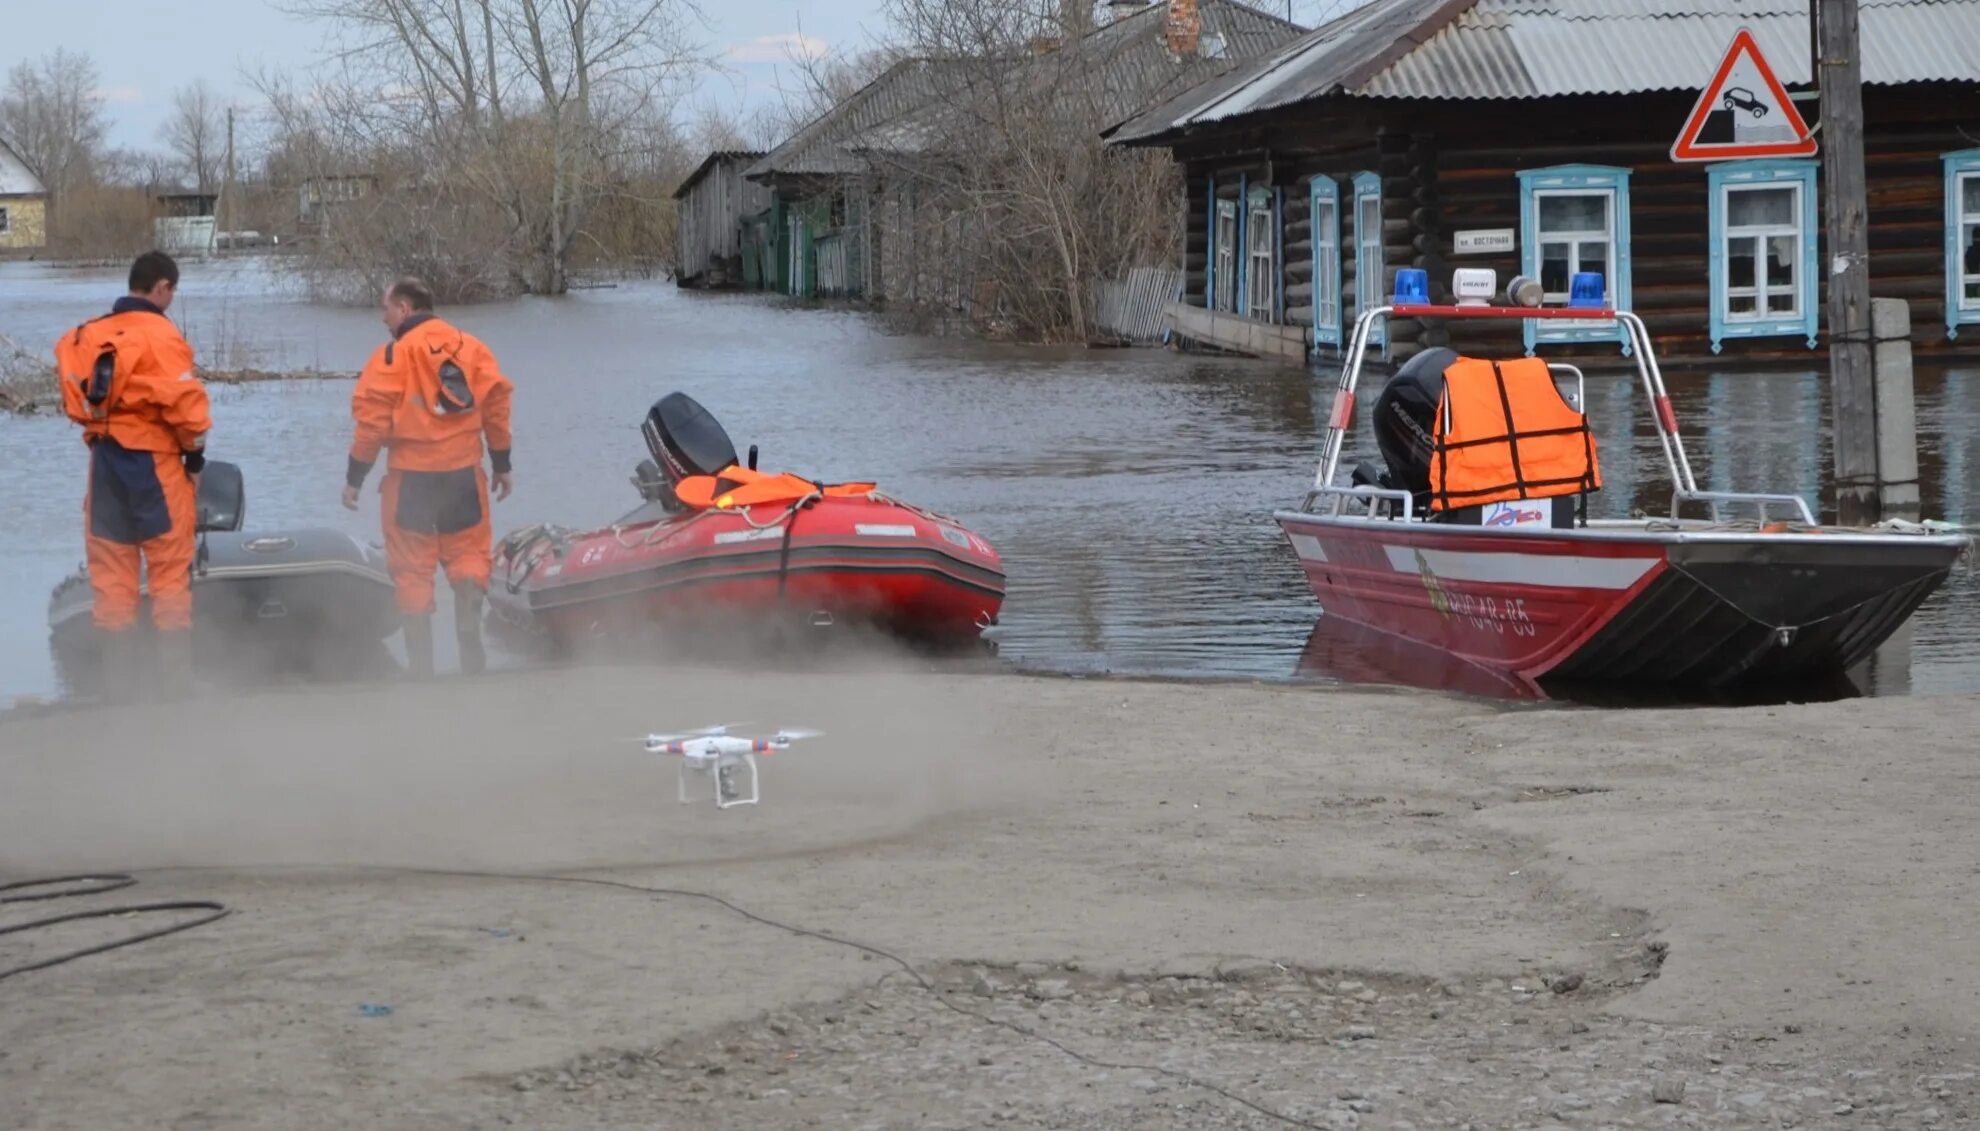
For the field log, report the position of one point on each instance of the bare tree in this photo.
(196, 133)
(52, 117)
(517, 109)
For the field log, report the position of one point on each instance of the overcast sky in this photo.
(145, 49)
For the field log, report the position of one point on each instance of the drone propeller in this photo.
(791, 734)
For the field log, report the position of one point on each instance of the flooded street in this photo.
(1129, 491)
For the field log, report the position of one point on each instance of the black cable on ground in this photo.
(99, 884)
(888, 956)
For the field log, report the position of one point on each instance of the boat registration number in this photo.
(1489, 614)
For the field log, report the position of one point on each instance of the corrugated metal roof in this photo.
(709, 162)
(15, 177)
(1539, 48)
(1115, 70)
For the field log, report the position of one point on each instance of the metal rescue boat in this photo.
(1755, 592)
(718, 546)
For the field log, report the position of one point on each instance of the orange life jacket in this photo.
(1504, 432)
(129, 376)
(430, 396)
(735, 487)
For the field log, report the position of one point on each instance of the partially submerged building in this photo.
(1533, 137)
(23, 205)
(872, 199)
(710, 205)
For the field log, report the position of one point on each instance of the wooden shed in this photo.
(1533, 137)
(23, 205)
(711, 204)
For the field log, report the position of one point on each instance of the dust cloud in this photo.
(531, 769)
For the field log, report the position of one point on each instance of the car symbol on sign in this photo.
(1740, 98)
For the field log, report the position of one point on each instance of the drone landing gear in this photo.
(730, 774)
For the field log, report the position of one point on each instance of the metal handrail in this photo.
(1676, 459)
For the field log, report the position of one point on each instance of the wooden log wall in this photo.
(1452, 166)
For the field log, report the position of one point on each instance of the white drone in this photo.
(712, 750)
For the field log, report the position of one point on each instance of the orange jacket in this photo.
(129, 376)
(1505, 433)
(430, 396)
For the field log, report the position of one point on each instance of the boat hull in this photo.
(1694, 606)
(840, 562)
(313, 602)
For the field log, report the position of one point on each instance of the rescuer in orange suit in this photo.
(430, 396)
(127, 378)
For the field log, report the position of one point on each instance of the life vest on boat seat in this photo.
(1504, 432)
(735, 487)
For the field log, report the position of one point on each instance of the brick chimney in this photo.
(1184, 27)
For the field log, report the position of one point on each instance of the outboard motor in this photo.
(1406, 423)
(685, 441)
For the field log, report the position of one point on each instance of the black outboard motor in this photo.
(1406, 423)
(685, 441)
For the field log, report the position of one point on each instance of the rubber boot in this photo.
(118, 671)
(419, 645)
(467, 628)
(174, 660)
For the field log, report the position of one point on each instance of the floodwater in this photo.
(1129, 491)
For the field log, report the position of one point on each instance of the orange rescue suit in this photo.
(1504, 433)
(127, 378)
(431, 398)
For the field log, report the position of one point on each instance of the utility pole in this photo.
(227, 206)
(1839, 72)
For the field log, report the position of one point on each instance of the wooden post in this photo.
(227, 208)
(1897, 410)
(1838, 68)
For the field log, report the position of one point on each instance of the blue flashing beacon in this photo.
(1412, 287)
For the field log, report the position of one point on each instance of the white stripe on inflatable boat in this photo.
(1523, 569)
(728, 536)
(1308, 548)
(884, 529)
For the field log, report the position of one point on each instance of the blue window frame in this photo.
(1573, 219)
(1210, 242)
(1325, 212)
(1261, 256)
(1762, 217)
(1962, 240)
(1370, 288)
(1238, 304)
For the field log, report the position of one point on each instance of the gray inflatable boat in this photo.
(308, 602)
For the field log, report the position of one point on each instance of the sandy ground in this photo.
(1095, 904)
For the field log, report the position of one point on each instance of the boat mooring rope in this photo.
(99, 883)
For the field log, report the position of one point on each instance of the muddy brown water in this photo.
(1130, 492)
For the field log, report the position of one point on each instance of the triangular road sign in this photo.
(1743, 112)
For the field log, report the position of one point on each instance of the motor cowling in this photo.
(686, 440)
(1405, 422)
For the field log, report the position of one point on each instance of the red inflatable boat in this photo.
(718, 544)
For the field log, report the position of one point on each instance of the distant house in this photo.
(857, 213)
(23, 205)
(184, 222)
(318, 195)
(1533, 137)
(710, 206)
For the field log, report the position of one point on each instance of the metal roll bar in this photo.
(1676, 459)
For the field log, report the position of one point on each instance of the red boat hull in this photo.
(837, 561)
(1705, 606)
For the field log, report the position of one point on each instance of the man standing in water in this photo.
(430, 396)
(127, 378)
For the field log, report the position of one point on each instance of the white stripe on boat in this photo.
(728, 536)
(884, 529)
(1560, 570)
(1307, 547)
